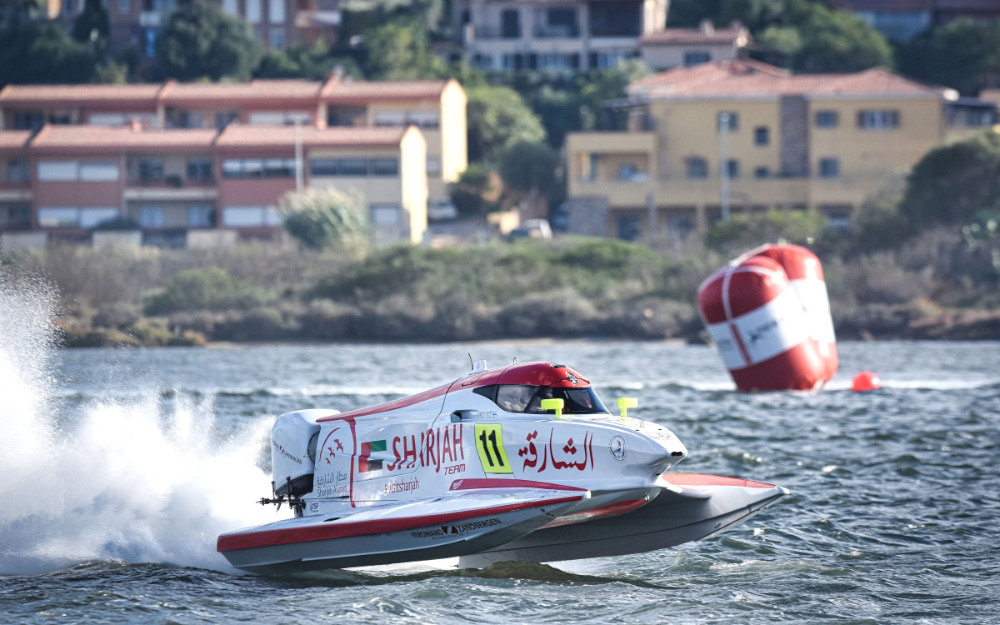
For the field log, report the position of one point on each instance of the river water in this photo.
(120, 468)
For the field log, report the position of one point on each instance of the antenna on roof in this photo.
(472, 363)
(515, 360)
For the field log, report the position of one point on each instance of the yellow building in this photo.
(737, 136)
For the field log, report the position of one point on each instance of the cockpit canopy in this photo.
(527, 398)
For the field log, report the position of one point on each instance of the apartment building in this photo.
(277, 24)
(684, 47)
(197, 186)
(157, 115)
(701, 142)
(900, 20)
(554, 36)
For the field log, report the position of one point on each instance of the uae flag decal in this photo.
(365, 462)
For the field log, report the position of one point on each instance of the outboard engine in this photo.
(293, 451)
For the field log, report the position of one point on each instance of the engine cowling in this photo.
(293, 451)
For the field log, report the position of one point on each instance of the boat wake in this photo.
(114, 479)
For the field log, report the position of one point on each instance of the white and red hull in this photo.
(482, 470)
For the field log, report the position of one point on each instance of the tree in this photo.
(497, 119)
(826, 40)
(92, 27)
(323, 218)
(42, 52)
(469, 193)
(314, 63)
(746, 231)
(400, 50)
(529, 167)
(201, 42)
(952, 184)
(958, 54)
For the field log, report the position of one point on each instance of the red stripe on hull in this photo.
(270, 538)
(475, 483)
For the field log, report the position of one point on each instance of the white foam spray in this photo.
(114, 480)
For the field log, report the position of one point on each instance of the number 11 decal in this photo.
(489, 444)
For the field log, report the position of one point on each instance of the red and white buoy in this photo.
(866, 381)
(769, 315)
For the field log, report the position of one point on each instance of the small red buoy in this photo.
(866, 381)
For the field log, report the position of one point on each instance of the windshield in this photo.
(528, 399)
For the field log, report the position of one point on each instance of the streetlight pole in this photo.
(724, 164)
(298, 155)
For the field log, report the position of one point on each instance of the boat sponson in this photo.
(688, 507)
(396, 533)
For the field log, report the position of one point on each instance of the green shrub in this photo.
(209, 288)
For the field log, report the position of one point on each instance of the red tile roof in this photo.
(14, 139)
(362, 91)
(77, 94)
(732, 79)
(237, 135)
(279, 92)
(58, 137)
(238, 93)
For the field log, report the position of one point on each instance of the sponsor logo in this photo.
(281, 450)
(617, 447)
(407, 486)
(455, 530)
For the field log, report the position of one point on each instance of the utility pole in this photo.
(724, 164)
(298, 155)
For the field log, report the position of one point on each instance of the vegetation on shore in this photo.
(937, 285)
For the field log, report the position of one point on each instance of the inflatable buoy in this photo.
(769, 315)
(866, 381)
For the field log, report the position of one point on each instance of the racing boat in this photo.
(522, 462)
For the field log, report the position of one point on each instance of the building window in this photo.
(151, 35)
(14, 215)
(510, 24)
(250, 216)
(277, 39)
(90, 217)
(199, 168)
(258, 168)
(150, 169)
(25, 120)
(629, 227)
(18, 171)
(729, 120)
(276, 12)
(385, 215)
(433, 166)
(151, 216)
(72, 171)
(354, 167)
(385, 166)
(199, 215)
(827, 119)
(696, 57)
(253, 12)
(124, 6)
(697, 167)
(73, 217)
(878, 119)
(761, 135)
(733, 168)
(762, 172)
(829, 168)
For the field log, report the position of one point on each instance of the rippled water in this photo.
(121, 467)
